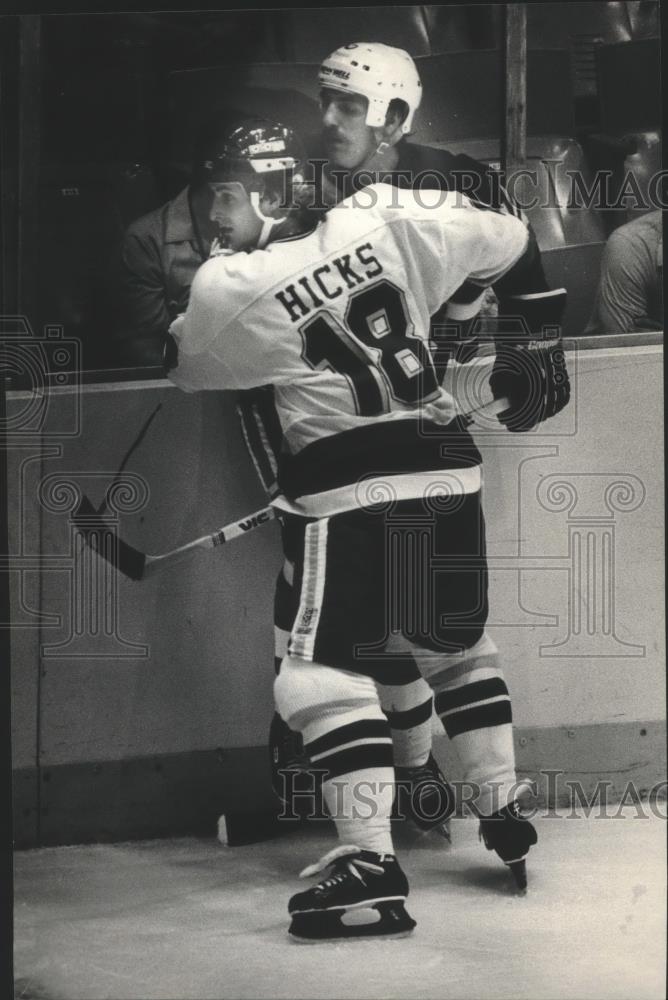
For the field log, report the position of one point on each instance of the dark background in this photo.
(100, 112)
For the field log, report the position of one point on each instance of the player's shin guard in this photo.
(294, 783)
(473, 702)
(422, 793)
(408, 708)
(347, 738)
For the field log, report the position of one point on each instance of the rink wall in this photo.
(142, 709)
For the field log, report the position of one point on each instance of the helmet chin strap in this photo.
(382, 157)
(268, 222)
(387, 142)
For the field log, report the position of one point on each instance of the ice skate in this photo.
(361, 883)
(511, 835)
(425, 797)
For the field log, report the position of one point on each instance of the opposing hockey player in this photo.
(380, 485)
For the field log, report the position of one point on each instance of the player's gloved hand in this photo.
(530, 366)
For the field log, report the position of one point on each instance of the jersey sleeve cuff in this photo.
(464, 310)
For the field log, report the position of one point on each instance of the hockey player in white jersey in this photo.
(376, 460)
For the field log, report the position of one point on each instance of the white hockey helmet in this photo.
(378, 72)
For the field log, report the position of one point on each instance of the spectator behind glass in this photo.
(159, 256)
(630, 291)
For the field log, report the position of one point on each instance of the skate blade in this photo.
(409, 836)
(443, 830)
(394, 922)
(440, 826)
(519, 872)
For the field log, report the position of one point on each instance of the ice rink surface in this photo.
(193, 919)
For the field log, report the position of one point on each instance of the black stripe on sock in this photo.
(410, 717)
(498, 713)
(356, 758)
(363, 729)
(469, 693)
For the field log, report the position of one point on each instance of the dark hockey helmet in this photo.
(252, 149)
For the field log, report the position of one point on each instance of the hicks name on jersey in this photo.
(328, 281)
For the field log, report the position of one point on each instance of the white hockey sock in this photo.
(488, 760)
(347, 736)
(360, 799)
(360, 804)
(412, 746)
(473, 703)
(476, 714)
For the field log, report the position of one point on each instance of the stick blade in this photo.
(122, 556)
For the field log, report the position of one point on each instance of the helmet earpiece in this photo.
(268, 221)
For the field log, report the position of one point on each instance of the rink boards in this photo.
(142, 709)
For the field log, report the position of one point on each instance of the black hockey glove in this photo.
(530, 367)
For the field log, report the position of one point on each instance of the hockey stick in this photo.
(137, 565)
(490, 409)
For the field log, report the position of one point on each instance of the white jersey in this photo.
(338, 319)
